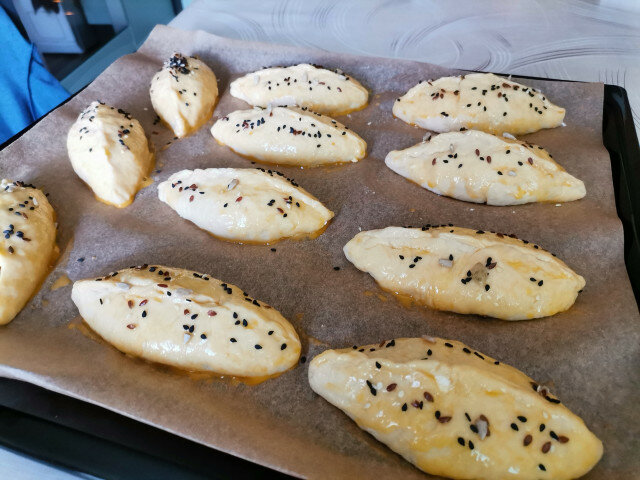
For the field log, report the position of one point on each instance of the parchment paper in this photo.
(589, 355)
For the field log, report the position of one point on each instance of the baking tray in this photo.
(90, 439)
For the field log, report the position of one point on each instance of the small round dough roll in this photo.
(189, 320)
(245, 205)
(184, 94)
(455, 412)
(109, 151)
(27, 245)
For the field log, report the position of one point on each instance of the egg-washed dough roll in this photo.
(110, 152)
(317, 88)
(288, 136)
(27, 245)
(455, 412)
(188, 320)
(481, 101)
(466, 271)
(244, 205)
(479, 167)
(184, 94)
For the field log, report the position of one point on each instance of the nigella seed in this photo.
(144, 313)
(404, 407)
(437, 414)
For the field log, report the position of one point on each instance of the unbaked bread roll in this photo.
(288, 136)
(482, 168)
(27, 245)
(110, 152)
(466, 271)
(184, 94)
(482, 101)
(455, 412)
(244, 205)
(317, 88)
(187, 319)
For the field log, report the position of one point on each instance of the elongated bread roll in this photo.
(304, 85)
(27, 245)
(110, 152)
(466, 271)
(481, 101)
(288, 136)
(244, 204)
(455, 412)
(188, 320)
(482, 168)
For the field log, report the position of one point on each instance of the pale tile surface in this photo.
(569, 40)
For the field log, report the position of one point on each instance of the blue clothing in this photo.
(27, 89)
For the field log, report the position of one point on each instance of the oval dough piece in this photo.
(288, 136)
(455, 412)
(466, 271)
(481, 101)
(188, 320)
(244, 205)
(27, 247)
(482, 168)
(319, 89)
(184, 94)
(110, 152)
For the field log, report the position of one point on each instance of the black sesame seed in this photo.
(522, 419)
(232, 340)
(514, 427)
(258, 347)
(461, 441)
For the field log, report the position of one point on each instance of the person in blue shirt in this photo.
(27, 90)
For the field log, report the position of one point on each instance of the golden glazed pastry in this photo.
(184, 94)
(481, 101)
(288, 136)
(27, 247)
(466, 271)
(455, 412)
(110, 152)
(482, 168)
(244, 205)
(319, 89)
(188, 320)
